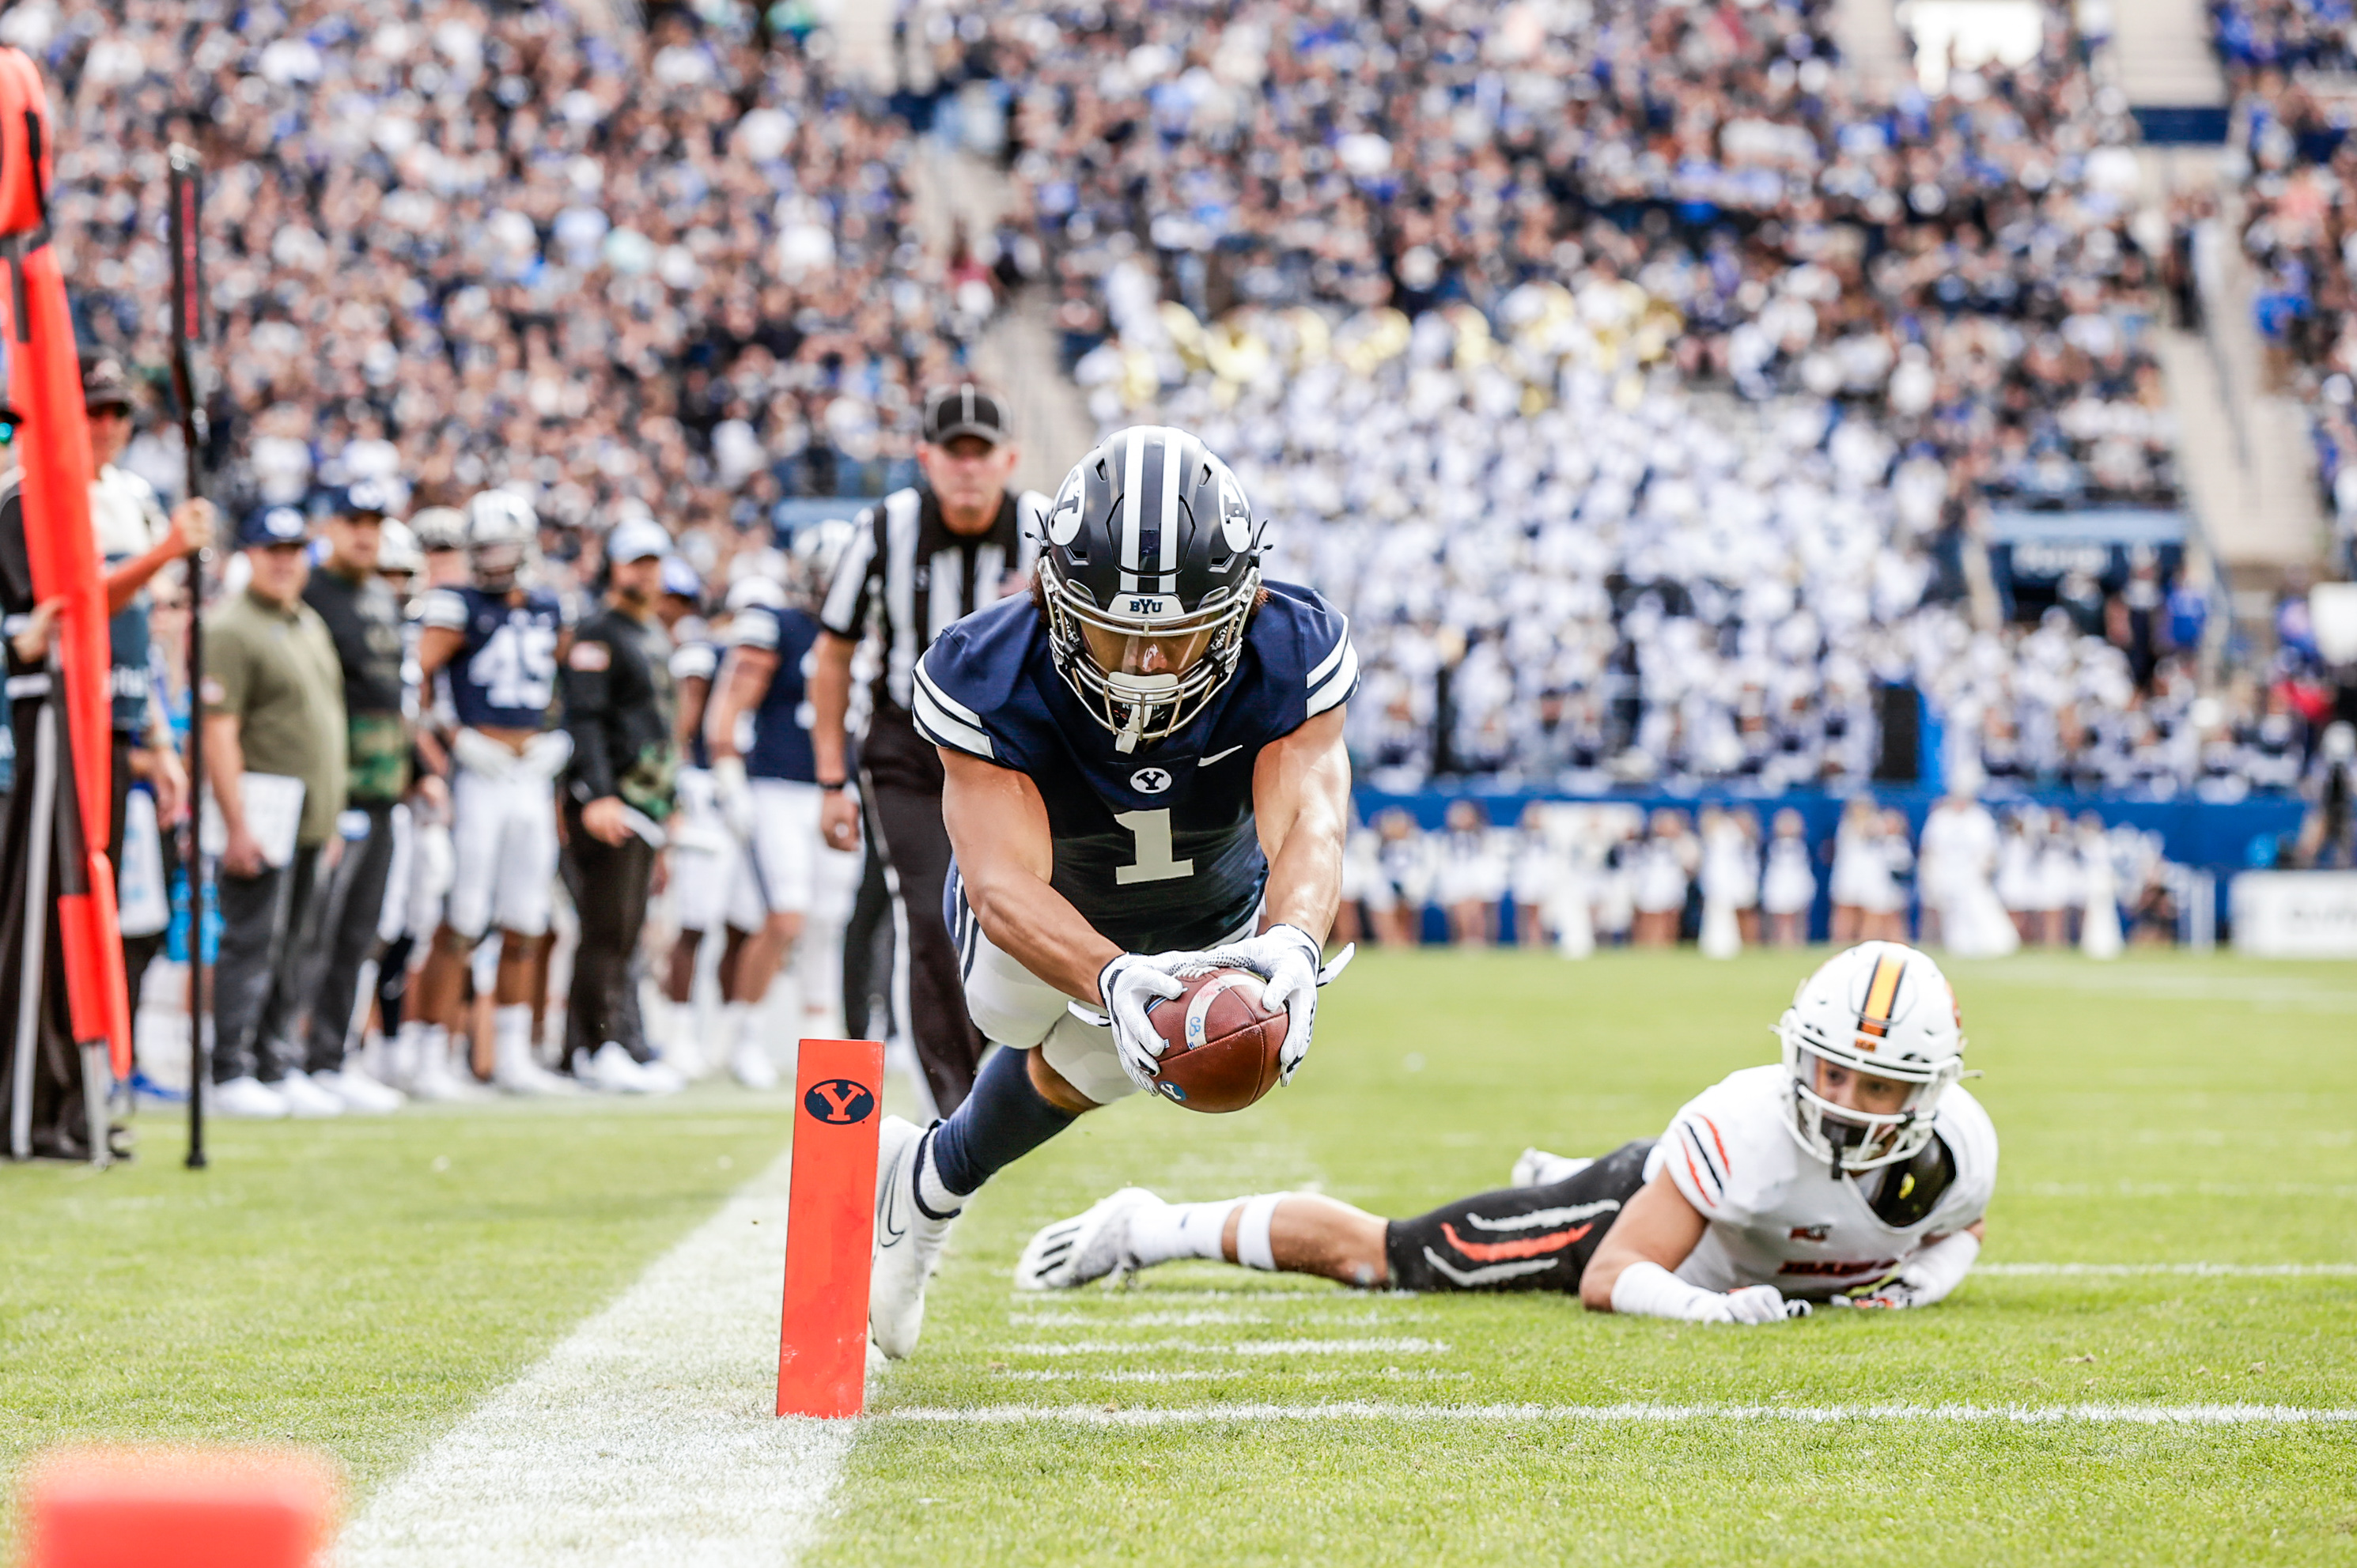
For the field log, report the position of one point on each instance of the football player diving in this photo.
(1145, 773)
(1855, 1174)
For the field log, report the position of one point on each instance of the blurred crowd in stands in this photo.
(2290, 64)
(1641, 388)
(452, 246)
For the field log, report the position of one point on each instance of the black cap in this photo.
(105, 385)
(361, 498)
(270, 526)
(962, 410)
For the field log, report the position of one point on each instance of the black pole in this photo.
(188, 332)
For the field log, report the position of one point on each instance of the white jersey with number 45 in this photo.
(1780, 1215)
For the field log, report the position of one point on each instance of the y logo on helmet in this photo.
(1235, 513)
(1149, 780)
(1064, 521)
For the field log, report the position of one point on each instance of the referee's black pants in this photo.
(352, 910)
(916, 861)
(611, 883)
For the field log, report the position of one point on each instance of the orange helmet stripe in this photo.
(1881, 991)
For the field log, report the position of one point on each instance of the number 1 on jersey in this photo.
(1152, 831)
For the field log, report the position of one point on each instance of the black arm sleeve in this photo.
(588, 693)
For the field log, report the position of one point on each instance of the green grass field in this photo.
(359, 1286)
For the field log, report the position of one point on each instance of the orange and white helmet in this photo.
(1882, 1009)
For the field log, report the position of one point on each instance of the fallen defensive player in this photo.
(1855, 1174)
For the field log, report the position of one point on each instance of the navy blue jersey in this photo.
(1155, 848)
(504, 675)
(781, 742)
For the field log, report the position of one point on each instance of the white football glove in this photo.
(733, 795)
(1131, 984)
(1286, 958)
(1761, 1304)
(1649, 1289)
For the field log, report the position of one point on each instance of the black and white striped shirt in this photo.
(905, 578)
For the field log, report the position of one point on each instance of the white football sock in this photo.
(512, 1029)
(932, 1191)
(1253, 1250)
(1172, 1230)
(736, 1023)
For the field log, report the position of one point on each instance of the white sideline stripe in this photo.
(1239, 1347)
(2222, 1271)
(645, 1439)
(1657, 1414)
(1201, 1375)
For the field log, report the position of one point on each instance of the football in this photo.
(1223, 1042)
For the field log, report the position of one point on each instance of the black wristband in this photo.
(836, 787)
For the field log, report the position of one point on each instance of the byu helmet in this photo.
(1148, 574)
(811, 558)
(501, 532)
(439, 528)
(398, 554)
(1885, 1010)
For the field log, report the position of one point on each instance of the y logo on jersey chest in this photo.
(1150, 780)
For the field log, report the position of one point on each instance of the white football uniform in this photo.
(1779, 1217)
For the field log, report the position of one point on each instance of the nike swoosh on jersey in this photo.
(1218, 757)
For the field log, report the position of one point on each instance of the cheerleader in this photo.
(2018, 879)
(1395, 901)
(2099, 930)
(1889, 880)
(1790, 887)
(1660, 880)
(1537, 876)
(1854, 868)
(1472, 874)
(1730, 883)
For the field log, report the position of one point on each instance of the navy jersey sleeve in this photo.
(1306, 657)
(964, 679)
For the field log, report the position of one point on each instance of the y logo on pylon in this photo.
(840, 1101)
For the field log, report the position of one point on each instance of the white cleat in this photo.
(907, 1243)
(515, 1072)
(750, 1066)
(247, 1099)
(1539, 1168)
(437, 1082)
(1086, 1247)
(306, 1100)
(361, 1095)
(611, 1069)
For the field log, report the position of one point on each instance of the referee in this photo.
(956, 543)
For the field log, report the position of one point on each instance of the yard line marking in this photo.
(1238, 1348)
(1660, 1415)
(645, 1439)
(1198, 1375)
(2222, 1271)
(1201, 1317)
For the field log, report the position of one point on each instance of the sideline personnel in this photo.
(619, 706)
(956, 544)
(363, 616)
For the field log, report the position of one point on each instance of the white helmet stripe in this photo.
(1133, 488)
(1170, 476)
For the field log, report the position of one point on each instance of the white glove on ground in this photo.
(1649, 1289)
(733, 795)
(1928, 1275)
(1130, 984)
(1286, 958)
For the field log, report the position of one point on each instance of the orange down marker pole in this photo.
(163, 1507)
(830, 1227)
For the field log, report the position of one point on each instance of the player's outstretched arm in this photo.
(1631, 1271)
(1005, 855)
(1301, 807)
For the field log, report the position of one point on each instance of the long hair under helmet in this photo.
(1883, 1009)
(1148, 574)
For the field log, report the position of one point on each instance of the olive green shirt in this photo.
(275, 668)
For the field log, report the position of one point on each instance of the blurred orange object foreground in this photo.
(177, 1507)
